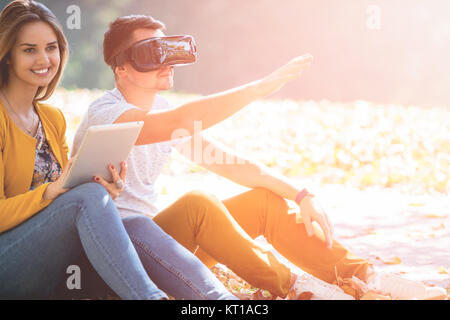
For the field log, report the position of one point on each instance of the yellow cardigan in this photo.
(17, 157)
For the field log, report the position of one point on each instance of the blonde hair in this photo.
(12, 18)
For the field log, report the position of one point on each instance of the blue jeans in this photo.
(35, 255)
(170, 265)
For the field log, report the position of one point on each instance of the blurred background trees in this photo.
(383, 51)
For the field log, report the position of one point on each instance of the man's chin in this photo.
(166, 86)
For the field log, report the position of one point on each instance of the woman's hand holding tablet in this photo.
(103, 146)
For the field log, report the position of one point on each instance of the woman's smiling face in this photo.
(34, 58)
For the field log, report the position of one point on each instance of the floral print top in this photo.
(46, 167)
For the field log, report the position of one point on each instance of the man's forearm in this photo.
(213, 108)
(162, 125)
(275, 182)
(217, 107)
(226, 162)
(253, 175)
(209, 110)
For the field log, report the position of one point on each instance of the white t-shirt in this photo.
(145, 162)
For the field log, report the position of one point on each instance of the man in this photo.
(200, 222)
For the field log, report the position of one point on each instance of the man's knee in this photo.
(201, 204)
(199, 197)
(266, 195)
(269, 199)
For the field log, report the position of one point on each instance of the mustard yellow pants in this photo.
(223, 231)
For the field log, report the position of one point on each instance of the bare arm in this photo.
(227, 163)
(224, 161)
(159, 126)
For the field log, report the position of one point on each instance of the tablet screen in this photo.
(102, 145)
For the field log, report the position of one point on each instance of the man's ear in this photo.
(120, 71)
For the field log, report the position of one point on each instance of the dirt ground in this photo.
(400, 233)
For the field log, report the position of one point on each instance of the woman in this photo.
(219, 231)
(43, 227)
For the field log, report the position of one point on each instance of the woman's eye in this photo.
(51, 48)
(29, 50)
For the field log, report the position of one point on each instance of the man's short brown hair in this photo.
(118, 37)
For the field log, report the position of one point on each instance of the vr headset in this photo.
(153, 53)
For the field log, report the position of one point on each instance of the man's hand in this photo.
(290, 71)
(311, 210)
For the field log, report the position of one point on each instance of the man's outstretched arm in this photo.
(160, 125)
(227, 163)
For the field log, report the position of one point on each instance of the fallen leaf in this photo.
(352, 286)
(306, 295)
(434, 216)
(439, 227)
(415, 204)
(366, 232)
(394, 260)
(370, 231)
(374, 296)
(443, 270)
(264, 295)
(234, 284)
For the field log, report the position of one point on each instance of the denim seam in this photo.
(167, 267)
(107, 258)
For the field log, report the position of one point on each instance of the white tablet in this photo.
(101, 145)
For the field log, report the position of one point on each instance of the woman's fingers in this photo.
(123, 171)
(63, 175)
(66, 169)
(108, 186)
(69, 163)
(114, 173)
(111, 187)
